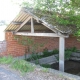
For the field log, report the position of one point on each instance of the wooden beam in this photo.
(61, 53)
(41, 21)
(23, 24)
(37, 34)
(28, 23)
(32, 26)
(16, 23)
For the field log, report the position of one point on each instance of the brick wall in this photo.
(15, 49)
(72, 42)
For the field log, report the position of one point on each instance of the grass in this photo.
(20, 65)
(45, 70)
(6, 60)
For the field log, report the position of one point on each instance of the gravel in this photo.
(6, 73)
(38, 74)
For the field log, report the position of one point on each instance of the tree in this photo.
(64, 12)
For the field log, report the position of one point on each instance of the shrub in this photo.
(55, 51)
(22, 66)
(73, 49)
(46, 65)
(47, 53)
(68, 54)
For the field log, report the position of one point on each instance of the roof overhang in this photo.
(25, 16)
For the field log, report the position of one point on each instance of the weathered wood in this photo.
(61, 53)
(49, 27)
(37, 34)
(23, 24)
(32, 26)
(28, 23)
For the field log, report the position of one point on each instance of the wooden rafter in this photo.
(28, 23)
(41, 21)
(23, 24)
(50, 28)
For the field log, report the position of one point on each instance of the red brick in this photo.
(16, 49)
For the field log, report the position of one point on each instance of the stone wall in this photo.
(3, 46)
(75, 56)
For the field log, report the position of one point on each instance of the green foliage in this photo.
(22, 66)
(73, 49)
(6, 60)
(45, 70)
(46, 65)
(64, 13)
(45, 52)
(55, 51)
(34, 56)
(31, 44)
(68, 54)
(26, 4)
(75, 3)
(23, 40)
(69, 51)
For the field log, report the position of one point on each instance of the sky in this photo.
(8, 12)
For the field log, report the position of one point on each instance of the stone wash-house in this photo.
(41, 26)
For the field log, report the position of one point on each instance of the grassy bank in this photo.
(17, 64)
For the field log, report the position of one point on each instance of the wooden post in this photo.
(32, 26)
(61, 53)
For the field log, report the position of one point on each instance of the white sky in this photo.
(8, 12)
